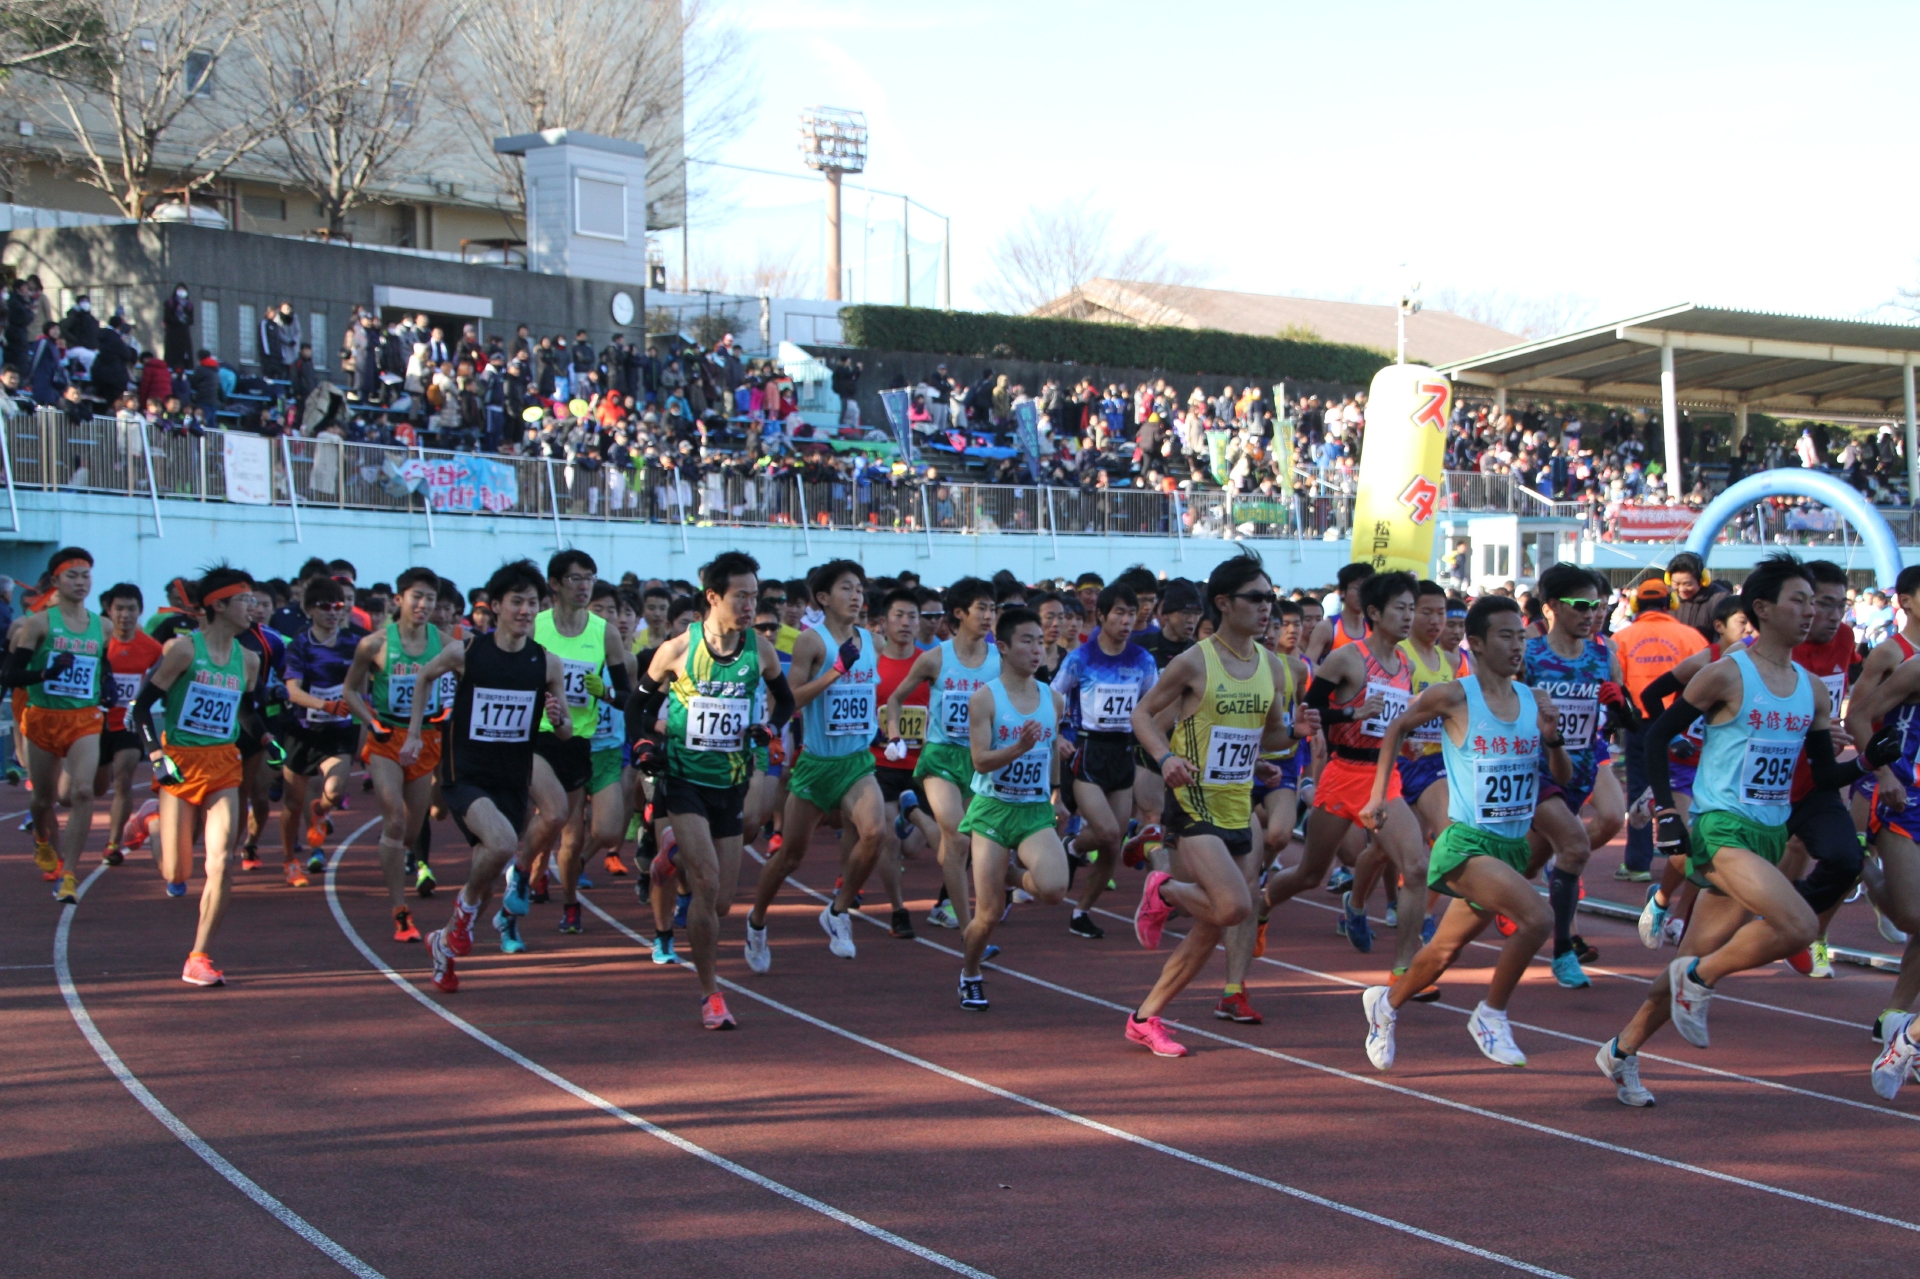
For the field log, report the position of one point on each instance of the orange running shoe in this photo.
(615, 867)
(201, 972)
(403, 929)
(714, 1014)
(1505, 926)
(296, 878)
(1260, 940)
(318, 827)
(249, 858)
(774, 843)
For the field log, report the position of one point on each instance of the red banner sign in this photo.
(1653, 523)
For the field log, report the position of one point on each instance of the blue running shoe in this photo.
(509, 929)
(1341, 881)
(176, 890)
(1074, 823)
(991, 951)
(680, 910)
(901, 826)
(663, 952)
(584, 882)
(1567, 971)
(1427, 927)
(1359, 929)
(518, 900)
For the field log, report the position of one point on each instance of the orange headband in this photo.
(64, 565)
(226, 592)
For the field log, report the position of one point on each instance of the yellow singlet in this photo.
(1424, 740)
(1222, 739)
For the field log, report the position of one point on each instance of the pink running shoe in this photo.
(1153, 1034)
(134, 833)
(1150, 916)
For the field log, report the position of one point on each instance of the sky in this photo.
(1630, 155)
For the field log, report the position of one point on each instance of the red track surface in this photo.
(1019, 1142)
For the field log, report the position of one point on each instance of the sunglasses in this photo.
(931, 617)
(1257, 597)
(767, 628)
(1582, 606)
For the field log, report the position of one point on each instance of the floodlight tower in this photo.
(834, 141)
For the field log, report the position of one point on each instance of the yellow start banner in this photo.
(1401, 468)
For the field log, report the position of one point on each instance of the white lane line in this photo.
(1480, 1112)
(171, 1122)
(1885, 1111)
(1109, 1130)
(625, 1116)
(1644, 981)
(12, 968)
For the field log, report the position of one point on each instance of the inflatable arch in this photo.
(1872, 526)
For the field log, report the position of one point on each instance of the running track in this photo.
(565, 1112)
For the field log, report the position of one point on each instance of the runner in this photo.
(1329, 635)
(131, 653)
(894, 763)
(1761, 710)
(501, 676)
(1359, 690)
(1013, 729)
(957, 669)
(57, 655)
(1180, 614)
(590, 651)
(1102, 680)
(323, 738)
(1648, 648)
(261, 741)
(205, 679)
(1223, 694)
(379, 688)
(835, 675)
(1492, 735)
(707, 680)
(608, 811)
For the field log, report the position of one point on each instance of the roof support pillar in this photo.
(1739, 426)
(1913, 435)
(1670, 422)
(1500, 401)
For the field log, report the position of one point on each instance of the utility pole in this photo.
(833, 140)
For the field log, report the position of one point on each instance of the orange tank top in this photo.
(1396, 688)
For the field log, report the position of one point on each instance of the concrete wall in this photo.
(120, 532)
(139, 264)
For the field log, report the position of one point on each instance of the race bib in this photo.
(576, 681)
(1024, 781)
(400, 695)
(209, 711)
(1231, 754)
(605, 735)
(1396, 699)
(717, 723)
(75, 682)
(912, 722)
(1428, 733)
(1504, 789)
(851, 711)
(1579, 716)
(449, 685)
(1108, 708)
(955, 716)
(501, 715)
(1836, 690)
(331, 693)
(1766, 775)
(127, 687)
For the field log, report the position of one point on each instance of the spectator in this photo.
(111, 362)
(177, 315)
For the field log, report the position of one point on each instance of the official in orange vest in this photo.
(1654, 643)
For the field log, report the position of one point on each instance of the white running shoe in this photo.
(1493, 1036)
(1380, 1021)
(1640, 812)
(1688, 1003)
(1625, 1074)
(1653, 917)
(1393, 917)
(1890, 1068)
(1887, 930)
(943, 916)
(759, 954)
(1673, 930)
(839, 931)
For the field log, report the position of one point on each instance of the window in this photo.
(199, 75)
(406, 104)
(246, 318)
(265, 208)
(210, 326)
(317, 334)
(600, 206)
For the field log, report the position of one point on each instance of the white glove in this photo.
(896, 750)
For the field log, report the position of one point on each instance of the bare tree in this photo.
(354, 80)
(38, 34)
(142, 98)
(773, 273)
(666, 73)
(1054, 252)
(1520, 314)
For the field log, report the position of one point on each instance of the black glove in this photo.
(760, 734)
(849, 655)
(59, 664)
(1669, 830)
(650, 755)
(1883, 748)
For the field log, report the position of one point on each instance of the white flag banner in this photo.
(249, 461)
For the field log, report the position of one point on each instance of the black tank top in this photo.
(495, 708)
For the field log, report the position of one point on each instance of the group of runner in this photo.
(1447, 754)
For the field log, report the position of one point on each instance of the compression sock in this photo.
(1563, 892)
(943, 899)
(1234, 988)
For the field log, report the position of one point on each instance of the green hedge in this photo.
(1174, 350)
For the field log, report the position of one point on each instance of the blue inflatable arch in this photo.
(1872, 526)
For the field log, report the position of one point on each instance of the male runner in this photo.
(587, 647)
(894, 764)
(1651, 646)
(323, 736)
(262, 738)
(1327, 636)
(707, 679)
(131, 653)
(57, 655)
(609, 786)
(204, 678)
(1102, 680)
(379, 688)
(1761, 710)
(1012, 728)
(502, 675)
(1222, 692)
(835, 677)
(1492, 735)
(1359, 689)
(956, 669)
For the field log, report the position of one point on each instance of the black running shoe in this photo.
(973, 994)
(114, 857)
(1083, 926)
(902, 926)
(1583, 952)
